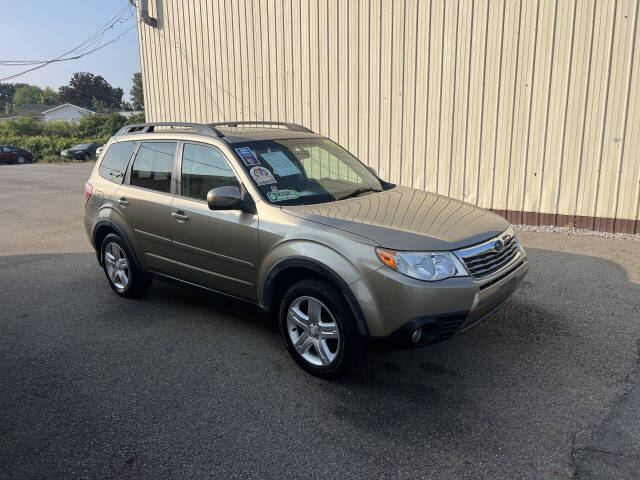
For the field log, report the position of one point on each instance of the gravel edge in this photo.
(576, 231)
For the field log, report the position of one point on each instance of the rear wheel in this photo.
(123, 276)
(318, 328)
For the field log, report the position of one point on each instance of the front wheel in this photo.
(123, 276)
(21, 160)
(318, 328)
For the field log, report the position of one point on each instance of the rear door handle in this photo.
(180, 215)
(122, 201)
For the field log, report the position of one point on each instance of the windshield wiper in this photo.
(358, 192)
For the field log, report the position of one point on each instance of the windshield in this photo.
(303, 171)
(81, 146)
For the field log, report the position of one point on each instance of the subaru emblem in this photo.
(498, 246)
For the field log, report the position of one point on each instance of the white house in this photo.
(130, 113)
(66, 113)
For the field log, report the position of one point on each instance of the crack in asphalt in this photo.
(580, 454)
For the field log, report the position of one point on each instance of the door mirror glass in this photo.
(224, 198)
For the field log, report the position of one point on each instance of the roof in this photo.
(29, 110)
(35, 107)
(67, 105)
(252, 134)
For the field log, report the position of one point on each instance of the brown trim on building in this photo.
(600, 224)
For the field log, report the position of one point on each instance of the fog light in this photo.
(476, 298)
(416, 335)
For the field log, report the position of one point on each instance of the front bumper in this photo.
(491, 296)
(395, 305)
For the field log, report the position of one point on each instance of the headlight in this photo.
(428, 266)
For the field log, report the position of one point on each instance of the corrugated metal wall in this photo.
(527, 107)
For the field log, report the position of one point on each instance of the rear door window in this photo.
(153, 166)
(115, 161)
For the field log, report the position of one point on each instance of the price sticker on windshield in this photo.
(282, 165)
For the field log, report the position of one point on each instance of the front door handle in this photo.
(122, 201)
(180, 215)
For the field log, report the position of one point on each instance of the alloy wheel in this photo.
(117, 265)
(313, 331)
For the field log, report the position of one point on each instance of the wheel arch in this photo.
(290, 270)
(104, 227)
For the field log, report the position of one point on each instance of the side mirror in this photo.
(225, 198)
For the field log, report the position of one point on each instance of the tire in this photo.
(117, 262)
(318, 351)
(21, 160)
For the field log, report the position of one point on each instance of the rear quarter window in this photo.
(115, 161)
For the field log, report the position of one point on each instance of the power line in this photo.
(95, 38)
(82, 49)
(86, 53)
(81, 46)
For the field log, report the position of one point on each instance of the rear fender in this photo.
(119, 227)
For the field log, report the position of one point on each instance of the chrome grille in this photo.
(491, 256)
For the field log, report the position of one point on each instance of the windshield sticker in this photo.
(280, 195)
(247, 156)
(262, 176)
(282, 165)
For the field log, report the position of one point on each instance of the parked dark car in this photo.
(9, 154)
(81, 151)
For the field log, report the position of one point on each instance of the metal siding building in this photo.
(526, 107)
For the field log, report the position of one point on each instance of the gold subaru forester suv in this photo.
(273, 214)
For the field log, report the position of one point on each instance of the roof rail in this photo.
(150, 127)
(291, 126)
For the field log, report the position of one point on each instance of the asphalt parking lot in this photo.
(182, 384)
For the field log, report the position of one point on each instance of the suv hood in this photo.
(406, 219)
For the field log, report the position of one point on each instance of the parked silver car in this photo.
(287, 219)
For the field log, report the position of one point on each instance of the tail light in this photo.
(88, 188)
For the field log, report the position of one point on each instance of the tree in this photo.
(27, 94)
(49, 96)
(90, 91)
(136, 92)
(7, 91)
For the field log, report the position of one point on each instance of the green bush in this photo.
(22, 126)
(58, 129)
(137, 118)
(51, 159)
(47, 139)
(100, 125)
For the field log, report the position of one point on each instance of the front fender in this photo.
(309, 263)
(318, 255)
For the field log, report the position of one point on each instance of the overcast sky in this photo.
(44, 29)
